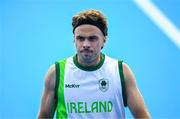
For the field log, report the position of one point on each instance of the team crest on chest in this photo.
(103, 84)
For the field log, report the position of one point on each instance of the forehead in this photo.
(87, 30)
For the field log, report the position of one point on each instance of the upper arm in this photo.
(134, 98)
(48, 102)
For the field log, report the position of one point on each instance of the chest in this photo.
(91, 86)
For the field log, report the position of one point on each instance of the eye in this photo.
(92, 38)
(80, 38)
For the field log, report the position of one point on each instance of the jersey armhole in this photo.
(57, 80)
(122, 82)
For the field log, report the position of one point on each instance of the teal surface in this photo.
(36, 33)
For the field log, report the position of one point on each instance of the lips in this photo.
(86, 51)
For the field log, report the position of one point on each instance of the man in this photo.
(90, 84)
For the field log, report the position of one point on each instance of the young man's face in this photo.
(88, 41)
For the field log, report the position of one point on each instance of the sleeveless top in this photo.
(90, 92)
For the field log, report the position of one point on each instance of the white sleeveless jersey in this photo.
(93, 92)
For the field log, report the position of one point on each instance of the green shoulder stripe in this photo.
(59, 89)
(122, 82)
(57, 80)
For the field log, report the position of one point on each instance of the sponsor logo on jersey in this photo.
(103, 84)
(72, 86)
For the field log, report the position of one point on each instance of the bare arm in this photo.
(48, 102)
(134, 98)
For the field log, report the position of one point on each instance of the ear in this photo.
(104, 39)
(103, 42)
(73, 38)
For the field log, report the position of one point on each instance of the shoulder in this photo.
(126, 69)
(50, 77)
(128, 75)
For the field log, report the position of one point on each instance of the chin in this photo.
(86, 57)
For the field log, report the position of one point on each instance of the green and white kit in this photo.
(90, 92)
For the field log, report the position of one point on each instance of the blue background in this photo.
(36, 33)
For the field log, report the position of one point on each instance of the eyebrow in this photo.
(79, 36)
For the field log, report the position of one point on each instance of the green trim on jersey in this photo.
(57, 80)
(120, 65)
(89, 68)
(61, 107)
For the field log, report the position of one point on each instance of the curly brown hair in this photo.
(93, 17)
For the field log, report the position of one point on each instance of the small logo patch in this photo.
(103, 85)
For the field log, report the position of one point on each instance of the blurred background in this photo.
(36, 33)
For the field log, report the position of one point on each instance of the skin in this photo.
(89, 40)
(48, 102)
(135, 100)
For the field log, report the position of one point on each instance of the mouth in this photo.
(86, 51)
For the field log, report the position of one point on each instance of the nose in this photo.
(86, 44)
